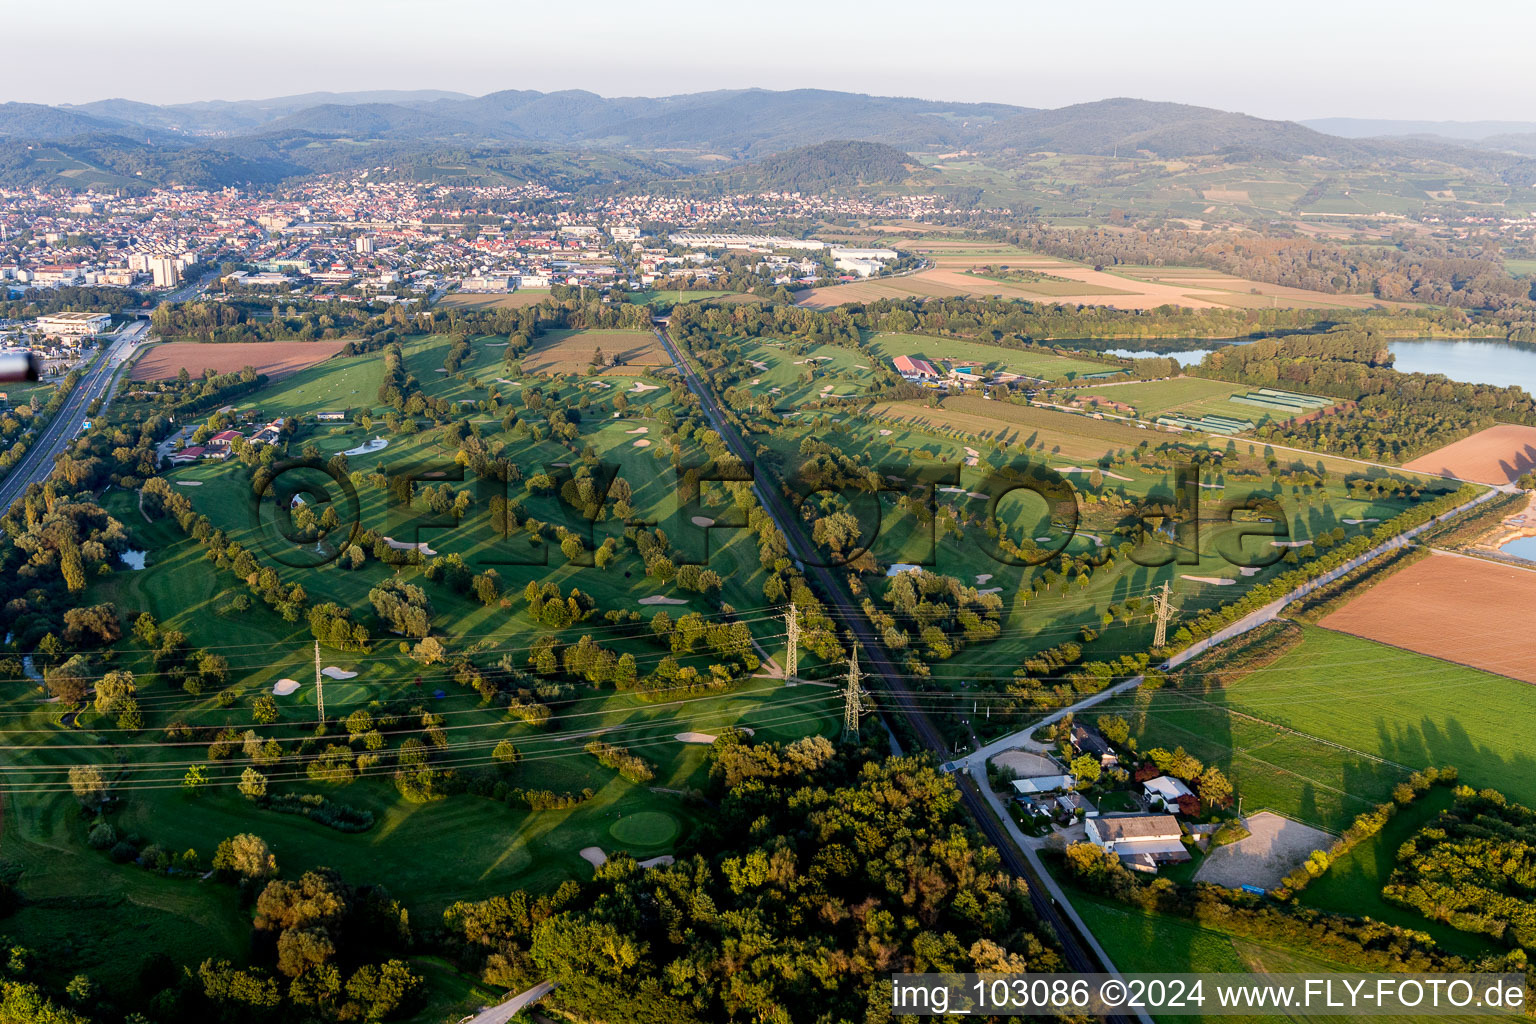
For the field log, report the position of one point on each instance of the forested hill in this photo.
(265, 141)
(822, 167)
(1130, 126)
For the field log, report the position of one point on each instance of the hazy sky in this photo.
(1306, 58)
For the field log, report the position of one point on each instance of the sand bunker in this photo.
(885, 433)
(982, 577)
(641, 387)
(1250, 570)
(973, 453)
(657, 862)
(1357, 522)
(189, 483)
(695, 737)
(757, 365)
(440, 369)
(703, 521)
(990, 590)
(641, 443)
(1289, 543)
(369, 447)
(333, 672)
(639, 430)
(1215, 581)
(660, 599)
(402, 546)
(496, 344)
(594, 855)
(285, 686)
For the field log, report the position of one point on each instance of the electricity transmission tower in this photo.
(1163, 610)
(792, 632)
(853, 698)
(319, 684)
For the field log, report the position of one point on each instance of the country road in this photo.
(37, 464)
(1080, 950)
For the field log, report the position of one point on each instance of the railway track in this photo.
(892, 682)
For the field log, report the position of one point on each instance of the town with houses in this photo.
(354, 238)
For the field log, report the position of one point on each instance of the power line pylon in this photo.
(853, 698)
(319, 684)
(1163, 610)
(792, 633)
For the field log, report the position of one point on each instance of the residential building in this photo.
(1165, 790)
(166, 271)
(1090, 741)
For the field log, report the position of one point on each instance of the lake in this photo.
(1500, 363)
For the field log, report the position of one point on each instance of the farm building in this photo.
(1142, 841)
(1042, 784)
(915, 369)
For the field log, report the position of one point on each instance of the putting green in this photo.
(645, 828)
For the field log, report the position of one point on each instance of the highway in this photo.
(875, 658)
(37, 464)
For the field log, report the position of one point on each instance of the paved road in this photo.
(1081, 952)
(37, 464)
(503, 1012)
(976, 761)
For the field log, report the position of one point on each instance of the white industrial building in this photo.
(714, 241)
(73, 325)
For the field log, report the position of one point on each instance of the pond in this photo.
(1521, 547)
(1186, 357)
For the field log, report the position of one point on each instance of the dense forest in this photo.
(816, 877)
(1474, 868)
(1387, 415)
(1412, 271)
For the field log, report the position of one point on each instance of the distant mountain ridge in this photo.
(208, 142)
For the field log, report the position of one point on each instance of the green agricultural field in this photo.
(1039, 363)
(1325, 731)
(1142, 941)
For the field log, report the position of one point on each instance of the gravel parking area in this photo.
(1027, 765)
(1276, 847)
